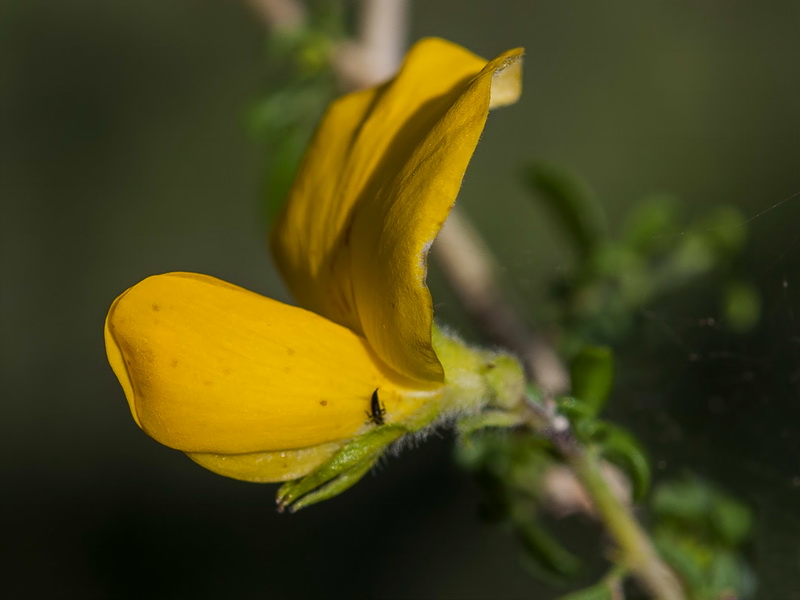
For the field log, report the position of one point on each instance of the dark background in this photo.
(123, 152)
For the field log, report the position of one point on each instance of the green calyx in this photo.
(483, 388)
(476, 379)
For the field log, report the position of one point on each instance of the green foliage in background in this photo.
(657, 253)
(285, 118)
(700, 531)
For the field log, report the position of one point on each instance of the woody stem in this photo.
(635, 549)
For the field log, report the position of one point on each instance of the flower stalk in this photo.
(634, 549)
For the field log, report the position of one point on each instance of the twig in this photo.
(280, 15)
(636, 552)
(376, 53)
(372, 57)
(470, 269)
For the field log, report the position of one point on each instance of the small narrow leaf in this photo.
(730, 519)
(592, 372)
(622, 449)
(741, 305)
(545, 552)
(651, 226)
(571, 203)
(725, 227)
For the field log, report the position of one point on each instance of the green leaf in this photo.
(574, 409)
(571, 203)
(651, 224)
(685, 558)
(725, 228)
(692, 256)
(695, 507)
(285, 155)
(622, 449)
(730, 519)
(726, 573)
(684, 500)
(284, 122)
(592, 373)
(741, 305)
(545, 552)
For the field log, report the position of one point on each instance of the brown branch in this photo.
(376, 53)
(470, 269)
(280, 15)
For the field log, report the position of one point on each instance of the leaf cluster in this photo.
(656, 253)
(512, 469)
(702, 532)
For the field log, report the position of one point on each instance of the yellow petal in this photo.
(310, 228)
(377, 183)
(266, 467)
(209, 367)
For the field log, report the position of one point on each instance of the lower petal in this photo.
(266, 467)
(209, 367)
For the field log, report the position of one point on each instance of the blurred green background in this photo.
(124, 152)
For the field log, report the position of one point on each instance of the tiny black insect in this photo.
(376, 409)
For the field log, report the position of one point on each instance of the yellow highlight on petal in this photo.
(209, 367)
(266, 467)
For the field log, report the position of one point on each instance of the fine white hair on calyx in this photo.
(414, 440)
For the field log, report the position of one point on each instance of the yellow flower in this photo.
(258, 390)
